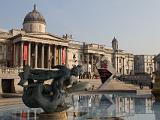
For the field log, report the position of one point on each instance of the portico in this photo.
(39, 52)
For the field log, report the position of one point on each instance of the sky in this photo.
(135, 23)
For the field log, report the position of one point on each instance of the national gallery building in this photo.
(34, 46)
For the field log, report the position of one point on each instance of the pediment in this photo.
(45, 36)
(41, 38)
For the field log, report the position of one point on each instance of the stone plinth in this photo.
(53, 116)
(156, 91)
(156, 87)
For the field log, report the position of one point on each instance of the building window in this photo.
(80, 56)
(1, 57)
(120, 61)
(120, 70)
(9, 49)
(127, 71)
(121, 100)
(127, 62)
(1, 49)
(147, 63)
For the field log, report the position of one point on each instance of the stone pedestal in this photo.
(156, 87)
(156, 91)
(53, 116)
(156, 94)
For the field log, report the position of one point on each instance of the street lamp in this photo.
(74, 58)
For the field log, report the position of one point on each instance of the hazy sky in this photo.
(135, 23)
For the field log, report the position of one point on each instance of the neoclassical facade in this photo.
(39, 50)
(34, 46)
(86, 54)
(144, 64)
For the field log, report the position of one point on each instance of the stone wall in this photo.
(34, 27)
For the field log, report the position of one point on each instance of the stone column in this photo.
(83, 60)
(99, 57)
(36, 54)
(55, 56)
(14, 54)
(123, 66)
(67, 56)
(128, 66)
(92, 62)
(60, 55)
(87, 62)
(17, 54)
(29, 53)
(156, 66)
(21, 56)
(49, 59)
(42, 56)
(1, 86)
(117, 62)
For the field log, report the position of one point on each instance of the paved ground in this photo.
(10, 101)
(94, 82)
(117, 85)
(112, 86)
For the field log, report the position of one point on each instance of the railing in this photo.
(6, 70)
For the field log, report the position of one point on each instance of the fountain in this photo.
(50, 97)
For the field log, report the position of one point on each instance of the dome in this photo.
(34, 16)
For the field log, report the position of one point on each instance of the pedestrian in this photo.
(151, 85)
(140, 85)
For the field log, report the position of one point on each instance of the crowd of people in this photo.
(88, 73)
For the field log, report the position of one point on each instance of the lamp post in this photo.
(74, 59)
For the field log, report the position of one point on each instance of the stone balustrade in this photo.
(8, 70)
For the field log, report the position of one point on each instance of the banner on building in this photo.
(57, 55)
(25, 51)
(64, 56)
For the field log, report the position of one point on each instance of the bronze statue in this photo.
(49, 97)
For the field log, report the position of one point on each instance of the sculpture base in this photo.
(53, 116)
(156, 91)
(156, 94)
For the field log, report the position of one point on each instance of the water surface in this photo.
(95, 106)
